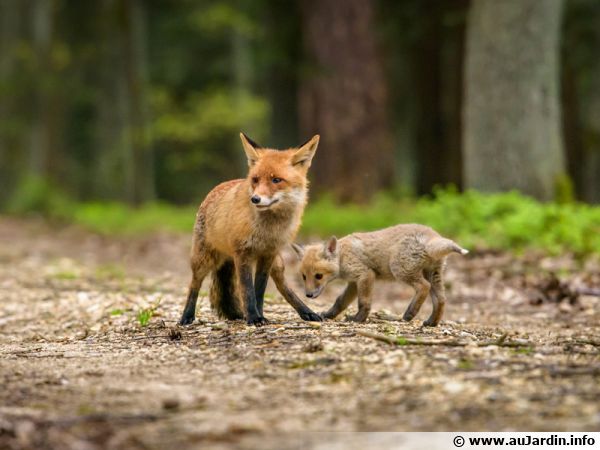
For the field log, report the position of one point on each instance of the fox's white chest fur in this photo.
(275, 229)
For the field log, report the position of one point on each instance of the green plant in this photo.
(144, 315)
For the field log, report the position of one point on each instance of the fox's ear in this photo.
(331, 247)
(250, 148)
(298, 249)
(304, 155)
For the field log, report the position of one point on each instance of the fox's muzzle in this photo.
(315, 293)
(263, 202)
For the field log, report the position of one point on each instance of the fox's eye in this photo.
(276, 180)
(318, 276)
(254, 180)
(304, 277)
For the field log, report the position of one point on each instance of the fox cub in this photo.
(414, 254)
(242, 225)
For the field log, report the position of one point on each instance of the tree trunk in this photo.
(41, 134)
(590, 186)
(9, 164)
(512, 137)
(344, 99)
(140, 163)
(437, 61)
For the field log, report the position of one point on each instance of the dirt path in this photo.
(79, 371)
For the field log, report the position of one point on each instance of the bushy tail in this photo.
(439, 247)
(223, 296)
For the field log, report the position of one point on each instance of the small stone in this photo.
(313, 346)
(170, 404)
(174, 334)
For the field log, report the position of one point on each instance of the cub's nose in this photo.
(309, 294)
(255, 199)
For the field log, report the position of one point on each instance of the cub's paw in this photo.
(430, 323)
(310, 316)
(326, 315)
(356, 318)
(407, 317)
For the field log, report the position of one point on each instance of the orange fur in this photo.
(230, 228)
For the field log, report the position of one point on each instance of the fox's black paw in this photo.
(186, 320)
(310, 316)
(258, 321)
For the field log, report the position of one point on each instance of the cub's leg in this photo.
(342, 302)
(364, 288)
(407, 264)
(438, 296)
(277, 274)
(422, 287)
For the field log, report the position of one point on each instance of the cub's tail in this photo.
(439, 247)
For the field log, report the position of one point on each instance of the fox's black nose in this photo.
(309, 295)
(255, 199)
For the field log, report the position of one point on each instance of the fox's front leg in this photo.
(277, 273)
(365, 289)
(263, 267)
(244, 273)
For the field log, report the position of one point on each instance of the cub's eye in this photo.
(254, 180)
(276, 180)
(304, 277)
(319, 276)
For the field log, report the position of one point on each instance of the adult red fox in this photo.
(243, 224)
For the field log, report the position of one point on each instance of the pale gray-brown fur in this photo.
(411, 253)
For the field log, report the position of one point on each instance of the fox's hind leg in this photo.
(407, 264)
(277, 274)
(422, 288)
(438, 296)
(200, 268)
(224, 299)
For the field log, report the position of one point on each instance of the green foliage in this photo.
(564, 189)
(509, 221)
(35, 194)
(118, 218)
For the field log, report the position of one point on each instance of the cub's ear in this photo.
(250, 147)
(298, 249)
(331, 247)
(304, 155)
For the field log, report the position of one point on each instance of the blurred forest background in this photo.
(140, 101)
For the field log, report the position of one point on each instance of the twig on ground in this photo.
(589, 291)
(592, 342)
(575, 371)
(401, 340)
